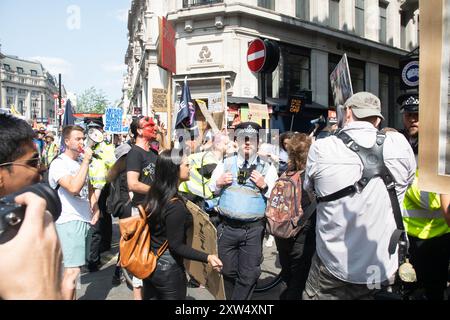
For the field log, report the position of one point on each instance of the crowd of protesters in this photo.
(343, 250)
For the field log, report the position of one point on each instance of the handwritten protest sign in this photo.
(257, 112)
(113, 120)
(203, 236)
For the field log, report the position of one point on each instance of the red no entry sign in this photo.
(256, 55)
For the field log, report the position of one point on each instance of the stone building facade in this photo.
(212, 38)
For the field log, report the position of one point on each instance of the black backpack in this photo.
(116, 205)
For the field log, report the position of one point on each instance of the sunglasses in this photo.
(33, 162)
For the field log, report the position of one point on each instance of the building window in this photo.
(334, 13)
(33, 72)
(19, 70)
(294, 71)
(7, 67)
(21, 106)
(382, 35)
(268, 4)
(22, 80)
(359, 17)
(403, 23)
(9, 101)
(302, 9)
(22, 91)
(10, 90)
(389, 90)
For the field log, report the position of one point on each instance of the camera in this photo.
(244, 174)
(12, 214)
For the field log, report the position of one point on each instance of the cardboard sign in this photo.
(341, 83)
(257, 112)
(159, 100)
(203, 237)
(215, 102)
(113, 120)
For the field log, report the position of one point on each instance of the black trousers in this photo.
(168, 281)
(295, 258)
(240, 250)
(101, 237)
(430, 259)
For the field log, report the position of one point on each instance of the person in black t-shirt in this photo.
(141, 159)
(169, 220)
(140, 170)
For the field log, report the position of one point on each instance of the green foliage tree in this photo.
(92, 101)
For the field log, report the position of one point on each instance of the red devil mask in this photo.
(148, 127)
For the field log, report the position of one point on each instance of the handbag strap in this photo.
(162, 248)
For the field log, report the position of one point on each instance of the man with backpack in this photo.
(244, 182)
(355, 216)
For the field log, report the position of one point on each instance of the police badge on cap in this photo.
(409, 102)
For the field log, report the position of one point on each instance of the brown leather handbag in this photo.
(135, 252)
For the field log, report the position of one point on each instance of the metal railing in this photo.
(195, 3)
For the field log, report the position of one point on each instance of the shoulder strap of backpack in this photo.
(374, 166)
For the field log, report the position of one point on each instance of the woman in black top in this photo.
(169, 220)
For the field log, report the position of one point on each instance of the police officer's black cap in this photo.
(409, 102)
(248, 128)
(93, 122)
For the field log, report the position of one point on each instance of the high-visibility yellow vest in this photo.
(196, 185)
(98, 168)
(422, 214)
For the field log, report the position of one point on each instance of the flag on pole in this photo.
(186, 112)
(68, 119)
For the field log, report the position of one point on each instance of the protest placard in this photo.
(257, 112)
(341, 83)
(215, 102)
(203, 236)
(113, 120)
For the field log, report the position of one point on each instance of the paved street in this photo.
(97, 285)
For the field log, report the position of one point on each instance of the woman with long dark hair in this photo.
(169, 220)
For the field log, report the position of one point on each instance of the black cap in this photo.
(409, 102)
(248, 128)
(94, 122)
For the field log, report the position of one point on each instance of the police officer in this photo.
(244, 182)
(102, 161)
(409, 107)
(424, 217)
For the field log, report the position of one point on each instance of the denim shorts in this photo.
(73, 238)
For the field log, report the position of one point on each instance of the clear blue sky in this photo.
(88, 48)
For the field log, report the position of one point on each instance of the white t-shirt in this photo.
(353, 233)
(73, 207)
